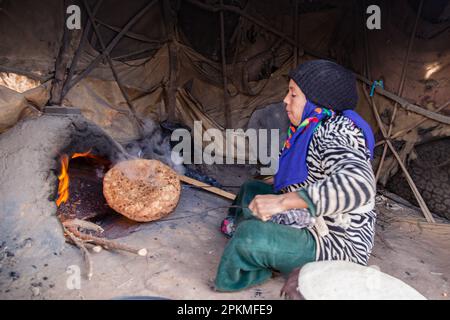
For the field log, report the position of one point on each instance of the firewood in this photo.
(107, 244)
(84, 251)
(83, 224)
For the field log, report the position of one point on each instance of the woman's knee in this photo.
(251, 233)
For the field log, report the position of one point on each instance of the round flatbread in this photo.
(342, 280)
(142, 190)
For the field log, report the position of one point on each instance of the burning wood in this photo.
(79, 231)
(63, 187)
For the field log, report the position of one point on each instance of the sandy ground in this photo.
(184, 252)
(185, 249)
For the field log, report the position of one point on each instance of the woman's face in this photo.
(295, 102)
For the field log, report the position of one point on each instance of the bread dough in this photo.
(342, 280)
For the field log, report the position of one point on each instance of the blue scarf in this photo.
(292, 162)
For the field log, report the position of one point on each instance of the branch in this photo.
(107, 244)
(84, 251)
(406, 105)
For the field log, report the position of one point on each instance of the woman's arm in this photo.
(349, 184)
(265, 206)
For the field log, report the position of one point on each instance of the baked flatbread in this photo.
(142, 190)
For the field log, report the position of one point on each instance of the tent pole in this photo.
(110, 46)
(224, 70)
(296, 35)
(171, 91)
(61, 63)
(76, 57)
(401, 87)
(113, 69)
(426, 212)
(391, 96)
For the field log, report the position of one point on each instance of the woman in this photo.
(320, 206)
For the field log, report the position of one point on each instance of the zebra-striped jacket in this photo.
(340, 190)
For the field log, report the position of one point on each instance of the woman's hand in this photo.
(265, 206)
(289, 290)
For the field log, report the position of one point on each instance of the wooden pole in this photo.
(61, 63)
(78, 53)
(391, 96)
(411, 183)
(418, 123)
(171, 91)
(110, 46)
(401, 86)
(113, 69)
(224, 70)
(207, 187)
(296, 33)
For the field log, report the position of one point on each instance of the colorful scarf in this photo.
(292, 162)
(305, 124)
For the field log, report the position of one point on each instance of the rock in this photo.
(97, 249)
(36, 291)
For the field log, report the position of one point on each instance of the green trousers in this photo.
(257, 248)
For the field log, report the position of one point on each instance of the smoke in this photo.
(155, 144)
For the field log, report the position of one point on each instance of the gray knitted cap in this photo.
(327, 84)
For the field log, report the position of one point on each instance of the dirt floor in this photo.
(185, 248)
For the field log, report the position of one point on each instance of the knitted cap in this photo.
(327, 84)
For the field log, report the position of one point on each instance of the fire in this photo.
(86, 155)
(63, 187)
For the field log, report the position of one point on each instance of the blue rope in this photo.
(375, 84)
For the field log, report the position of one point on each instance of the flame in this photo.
(85, 154)
(63, 187)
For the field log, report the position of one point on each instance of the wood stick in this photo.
(77, 223)
(207, 187)
(77, 55)
(108, 244)
(129, 34)
(401, 87)
(407, 105)
(111, 45)
(61, 63)
(391, 96)
(84, 251)
(113, 69)
(418, 123)
(171, 90)
(411, 183)
(224, 70)
(296, 33)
